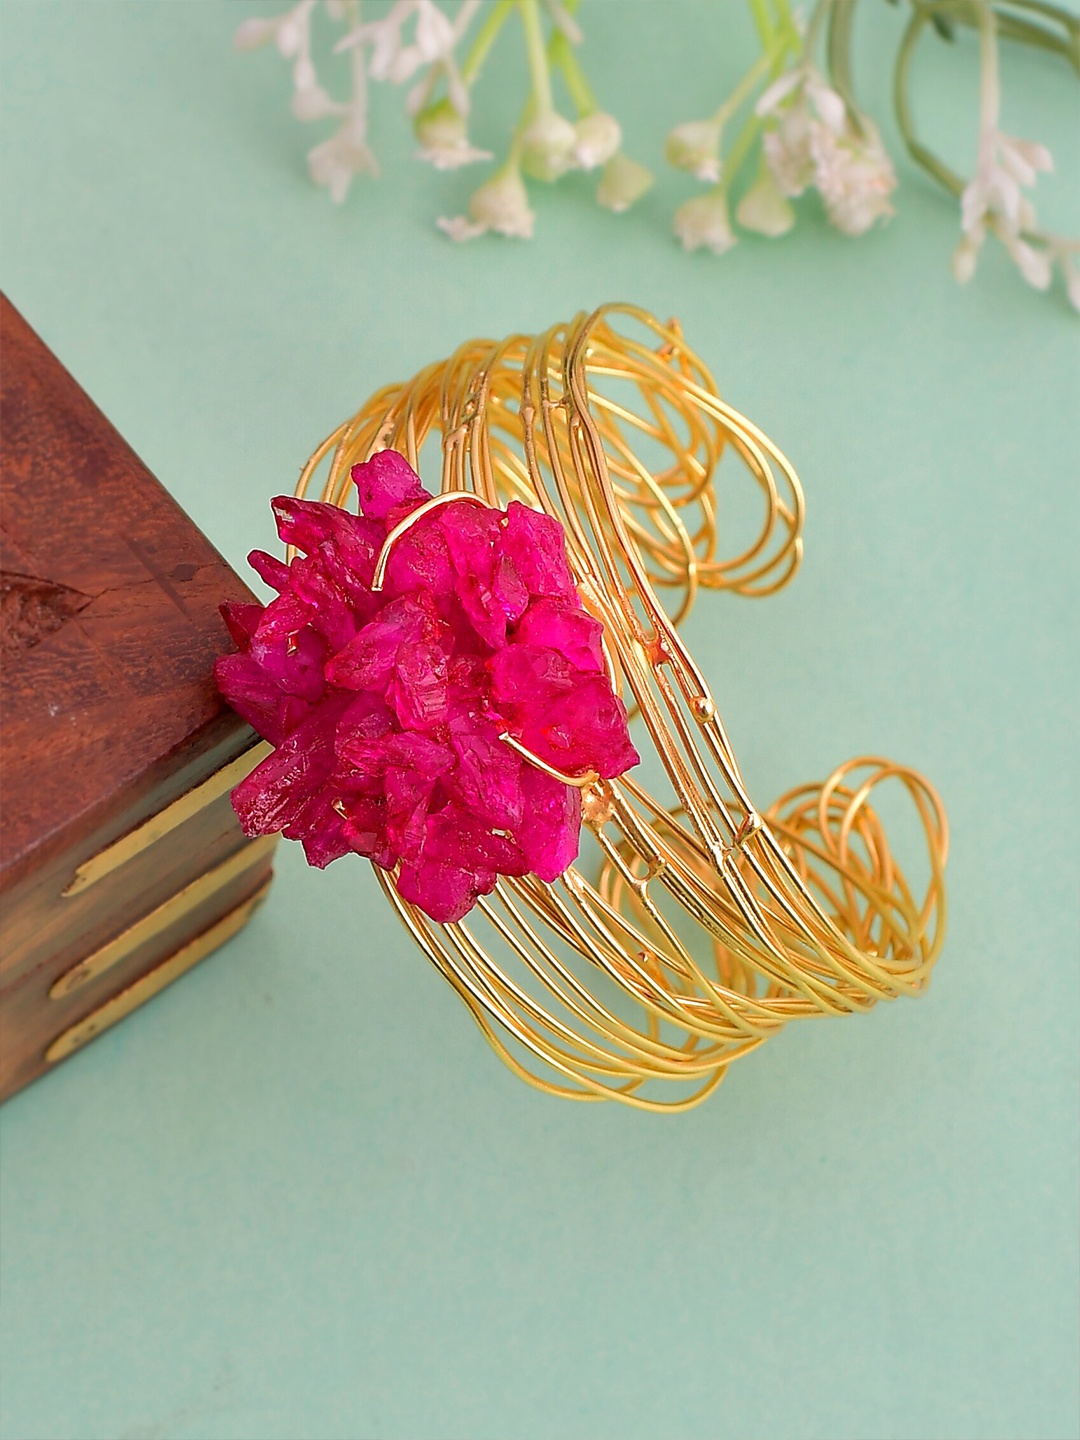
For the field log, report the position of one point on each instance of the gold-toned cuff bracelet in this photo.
(695, 925)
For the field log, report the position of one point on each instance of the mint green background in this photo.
(297, 1196)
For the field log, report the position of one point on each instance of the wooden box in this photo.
(121, 861)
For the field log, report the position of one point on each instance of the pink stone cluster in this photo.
(386, 708)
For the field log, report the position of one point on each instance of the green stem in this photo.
(1024, 31)
(784, 15)
(838, 56)
(1036, 36)
(753, 77)
(922, 156)
(1069, 22)
(813, 31)
(485, 39)
(759, 9)
(513, 155)
(562, 54)
(744, 142)
(975, 14)
(539, 71)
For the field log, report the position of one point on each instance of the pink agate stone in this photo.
(385, 708)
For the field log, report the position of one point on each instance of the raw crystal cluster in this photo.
(386, 708)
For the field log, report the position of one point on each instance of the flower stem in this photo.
(990, 83)
(744, 142)
(753, 77)
(783, 14)
(838, 56)
(1038, 33)
(485, 39)
(539, 71)
(512, 163)
(561, 53)
(983, 15)
(922, 156)
(763, 21)
(813, 30)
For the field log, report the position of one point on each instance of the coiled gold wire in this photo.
(710, 924)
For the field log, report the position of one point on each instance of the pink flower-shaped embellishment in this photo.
(387, 706)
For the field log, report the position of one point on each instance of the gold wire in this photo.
(710, 925)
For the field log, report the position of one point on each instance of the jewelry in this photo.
(710, 924)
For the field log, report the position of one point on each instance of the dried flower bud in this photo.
(622, 182)
(311, 102)
(704, 221)
(964, 259)
(695, 146)
(548, 146)
(763, 209)
(598, 139)
(293, 29)
(337, 160)
(502, 205)
(254, 32)
(1034, 264)
(442, 132)
(855, 176)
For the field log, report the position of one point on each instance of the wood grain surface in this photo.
(109, 618)
(109, 628)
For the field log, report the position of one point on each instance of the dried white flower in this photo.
(695, 146)
(704, 221)
(1004, 165)
(345, 153)
(391, 57)
(763, 208)
(444, 139)
(255, 32)
(291, 32)
(598, 139)
(854, 174)
(502, 205)
(547, 146)
(435, 38)
(814, 140)
(787, 150)
(964, 259)
(337, 160)
(294, 30)
(800, 104)
(1033, 262)
(994, 201)
(310, 101)
(622, 182)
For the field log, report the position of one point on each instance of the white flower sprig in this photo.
(810, 136)
(416, 42)
(796, 113)
(546, 144)
(346, 153)
(817, 140)
(994, 200)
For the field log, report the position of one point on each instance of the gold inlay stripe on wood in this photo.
(152, 830)
(166, 914)
(150, 984)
